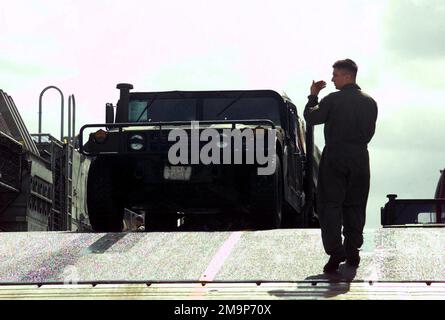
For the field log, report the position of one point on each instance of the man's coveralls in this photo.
(349, 116)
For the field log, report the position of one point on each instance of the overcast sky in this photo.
(87, 47)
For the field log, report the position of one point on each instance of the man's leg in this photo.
(354, 208)
(331, 190)
(354, 218)
(330, 216)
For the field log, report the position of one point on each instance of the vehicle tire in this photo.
(268, 198)
(104, 204)
(161, 221)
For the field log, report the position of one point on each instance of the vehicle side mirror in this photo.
(109, 113)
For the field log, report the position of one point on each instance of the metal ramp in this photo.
(12, 123)
(397, 263)
(12, 132)
(11, 153)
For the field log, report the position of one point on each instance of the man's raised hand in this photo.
(316, 87)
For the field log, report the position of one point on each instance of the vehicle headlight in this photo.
(137, 142)
(100, 136)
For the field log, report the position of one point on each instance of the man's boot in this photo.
(353, 259)
(333, 264)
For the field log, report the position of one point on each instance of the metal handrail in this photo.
(71, 134)
(160, 124)
(40, 109)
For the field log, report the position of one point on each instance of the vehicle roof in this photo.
(218, 93)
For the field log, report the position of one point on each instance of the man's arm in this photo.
(314, 114)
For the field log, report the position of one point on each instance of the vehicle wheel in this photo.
(104, 204)
(268, 198)
(160, 221)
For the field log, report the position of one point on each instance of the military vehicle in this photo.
(425, 212)
(132, 153)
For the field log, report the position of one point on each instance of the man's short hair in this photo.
(348, 65)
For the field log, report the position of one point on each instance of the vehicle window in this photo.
(213, 109)
(242, 109)
(162, 110)
(136, 110)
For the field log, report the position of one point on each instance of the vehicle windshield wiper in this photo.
(146, 108)
(230, 104)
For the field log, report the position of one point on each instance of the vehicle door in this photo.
(294, 153)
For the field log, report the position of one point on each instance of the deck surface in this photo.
(396, 263)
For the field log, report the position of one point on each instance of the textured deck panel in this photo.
(396, 263)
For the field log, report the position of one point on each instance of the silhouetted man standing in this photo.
(349, 116)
